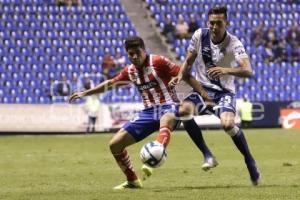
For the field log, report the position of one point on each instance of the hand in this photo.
(175, 80)
(215, 72)
(210, 103)
(75, 96)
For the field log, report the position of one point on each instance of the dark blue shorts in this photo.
(148, 120)
(225, 102)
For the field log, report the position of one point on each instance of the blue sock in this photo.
(241, 143)
(196, 135)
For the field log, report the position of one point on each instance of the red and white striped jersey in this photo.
(152, 80)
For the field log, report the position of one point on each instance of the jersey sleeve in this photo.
(168, 67)
(194, 45)
(122, 76)
(239, 51)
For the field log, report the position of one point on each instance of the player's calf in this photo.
(164, 135)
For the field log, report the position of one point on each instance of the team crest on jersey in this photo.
(134, 77)
(223, 50)
(149, 70)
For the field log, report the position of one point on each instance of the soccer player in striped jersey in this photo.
(151, 75)
(218, 56)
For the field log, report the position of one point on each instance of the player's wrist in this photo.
(179, 75)
(84, 93)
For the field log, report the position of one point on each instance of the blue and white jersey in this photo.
(225, 54)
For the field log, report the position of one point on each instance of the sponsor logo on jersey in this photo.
(146, 86)
(240, 50)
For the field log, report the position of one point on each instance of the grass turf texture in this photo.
(81, 167)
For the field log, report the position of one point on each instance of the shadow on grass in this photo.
(209, 187)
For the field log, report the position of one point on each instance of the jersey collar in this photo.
(222, 41)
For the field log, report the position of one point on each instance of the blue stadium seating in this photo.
(41, 41)
(274, 76)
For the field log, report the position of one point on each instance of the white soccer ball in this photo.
(153, 154)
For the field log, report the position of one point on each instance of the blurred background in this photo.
(50, 49)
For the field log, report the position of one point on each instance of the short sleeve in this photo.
(239, 51)
(194, 45)
(122, 76)
(168, 66)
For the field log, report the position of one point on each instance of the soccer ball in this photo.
(153, 154)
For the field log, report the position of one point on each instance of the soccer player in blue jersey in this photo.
(218, 57)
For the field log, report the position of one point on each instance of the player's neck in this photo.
(219, 41)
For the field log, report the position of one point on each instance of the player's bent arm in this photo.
(185, 68)
(187, 64)
(187, 77)
(197, 87)
(244, 69)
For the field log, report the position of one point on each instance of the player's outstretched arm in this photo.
(102, 87)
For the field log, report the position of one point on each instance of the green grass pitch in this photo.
(71, 167)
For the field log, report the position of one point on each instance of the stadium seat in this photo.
(48, 36)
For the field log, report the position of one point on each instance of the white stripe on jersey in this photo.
(153, 92)
(132, 77)
(226, 54)
(161, 83)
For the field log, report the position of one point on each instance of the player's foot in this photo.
(257, 180)
(147, 171)
(209, 162)
(254, 172)
(137, 184)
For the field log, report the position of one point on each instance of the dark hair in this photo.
(218, 10)
(134, 42)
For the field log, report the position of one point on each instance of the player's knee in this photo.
(114, 146)
(186, 110)
(167, 118)
(232, 130)
(227, 125)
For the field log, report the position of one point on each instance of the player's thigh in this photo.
(227, 120)
(186, 109)
(226, 103)
(192, 104)
(143, 125)
(168, 115)
(121, 140)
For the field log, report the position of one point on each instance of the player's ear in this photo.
(207, 23)
(227, 22)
